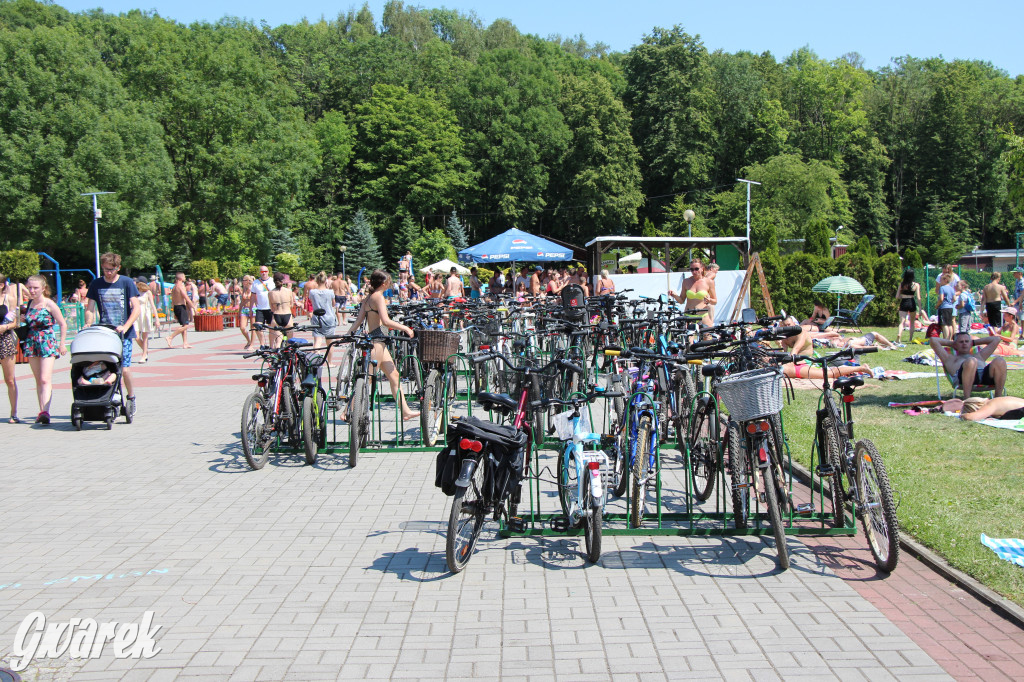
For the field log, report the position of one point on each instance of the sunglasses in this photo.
(694, 269)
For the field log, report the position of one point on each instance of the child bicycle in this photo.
(866, 483)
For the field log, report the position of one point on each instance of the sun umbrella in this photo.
(838, 285)
(515, 245)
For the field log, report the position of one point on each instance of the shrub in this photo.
(883, 311)
(203, 269)
(232, 269)
(19, 265)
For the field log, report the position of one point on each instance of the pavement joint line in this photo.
(997, 602)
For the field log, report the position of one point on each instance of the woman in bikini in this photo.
(247, 311)
(909, 297)
(804, 371)
(282, 298)
(1007, 407)
(374, 311)
(605, 284)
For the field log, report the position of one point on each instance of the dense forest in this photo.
(237, 142)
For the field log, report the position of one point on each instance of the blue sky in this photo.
(877, 30)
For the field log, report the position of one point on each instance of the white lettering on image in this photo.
(81, 638)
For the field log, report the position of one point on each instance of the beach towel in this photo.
(1008, 549)
(1014, 364)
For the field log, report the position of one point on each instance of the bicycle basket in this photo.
(437, 345)
(563, 424)
(753, 394)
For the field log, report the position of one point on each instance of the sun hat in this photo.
(1010, 309)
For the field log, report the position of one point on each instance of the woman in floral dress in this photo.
(41, 347)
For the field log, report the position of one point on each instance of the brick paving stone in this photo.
(325, 572)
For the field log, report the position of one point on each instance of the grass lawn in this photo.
(953, 480)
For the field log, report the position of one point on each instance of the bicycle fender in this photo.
(596, 491)
(466, 474)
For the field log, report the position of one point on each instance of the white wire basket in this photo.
(563, 423)
(753, 394)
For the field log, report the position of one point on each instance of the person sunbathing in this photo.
(803, 370)
(968, 363)
(869, 340)
(1006, 407)
(818, 317)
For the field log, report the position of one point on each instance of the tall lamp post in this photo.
(837, 241)
(343, 249)
(95, 225)
(688, 216)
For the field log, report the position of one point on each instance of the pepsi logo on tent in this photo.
(518, 241)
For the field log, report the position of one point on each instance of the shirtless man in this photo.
(535, 287)
(340, 288)
(453, 287)
(183, 307)
(993, 295)
(281, 300)
(696, 291)
(969, 365)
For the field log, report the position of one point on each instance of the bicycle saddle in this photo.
(501, 401)
(850, 382)
(298, 342)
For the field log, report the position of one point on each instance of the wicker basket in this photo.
(753, 394)
(437, 345)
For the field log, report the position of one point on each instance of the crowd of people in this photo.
(29, 317)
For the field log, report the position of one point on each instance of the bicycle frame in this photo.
(585, 474)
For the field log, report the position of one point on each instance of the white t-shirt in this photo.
(956, 278)
(261, 289)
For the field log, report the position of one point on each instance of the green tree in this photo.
(407, 234)
(456, 233)
(670, 95)
(816, 235)
(941, 223)
(514, 135)
(363, 250)
(912, 258)
(68, 127)
(431, 247)
(407, 154)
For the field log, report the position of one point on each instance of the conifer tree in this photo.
(363, 250)
(457, 233)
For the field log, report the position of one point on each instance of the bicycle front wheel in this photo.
(256, 437)
(465, 522)
(592, 520)
(641, 470)
(742, 475)
(432, 408)
(358, 420)
(774, 504)
(876, 507)
(568, 484)
(703, 443)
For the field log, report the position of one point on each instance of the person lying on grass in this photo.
(1006, 407)
(967, 363)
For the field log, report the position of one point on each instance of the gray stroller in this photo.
(96, 377)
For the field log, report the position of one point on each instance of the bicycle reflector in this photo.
(593, 466)
(848, 398)
(471, 445)
(754, 427)
(484, 347)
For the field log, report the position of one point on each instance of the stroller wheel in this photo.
(110, 423)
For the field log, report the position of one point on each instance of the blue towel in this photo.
(1009, 549)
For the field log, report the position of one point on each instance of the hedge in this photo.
(19, 265)
(204, 270)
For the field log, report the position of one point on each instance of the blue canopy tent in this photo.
(515, 246)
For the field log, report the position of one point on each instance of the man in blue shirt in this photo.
(115, 298)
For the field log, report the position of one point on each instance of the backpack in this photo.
(934, 330)
(574, 302)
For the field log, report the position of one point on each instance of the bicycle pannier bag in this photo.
(446, 471)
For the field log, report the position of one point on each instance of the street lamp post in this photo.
(95, 226)
(688, 216)
(343, 249)
(836, 247)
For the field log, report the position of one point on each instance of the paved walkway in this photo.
(325, 572)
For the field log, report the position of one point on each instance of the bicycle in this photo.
(271, 410)
(582, 473)
(867, 484)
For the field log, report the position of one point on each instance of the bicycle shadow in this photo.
(232, 460)
(413, 564)
(732, 558)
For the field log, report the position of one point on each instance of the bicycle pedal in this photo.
(560, 524)
(516, 524)
(825, 471)
(804, 509)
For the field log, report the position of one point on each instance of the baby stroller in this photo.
(96, 377)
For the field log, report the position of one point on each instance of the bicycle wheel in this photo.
(432, 408)
(876, 507)
(465, 522)
(568, 480)
(641, 472)
(742, 473)
(703, 443)
(830, 453)
(592, 520)
(620, 472)
(358, 419)
(344, 384)
(774, 505)
(310, 432)
(685, 394)
(255, 430)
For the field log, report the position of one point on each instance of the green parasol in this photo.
(838, 285)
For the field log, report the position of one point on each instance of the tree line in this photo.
(236, 142)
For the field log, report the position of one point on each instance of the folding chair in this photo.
(955, 383)
(849, 317)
